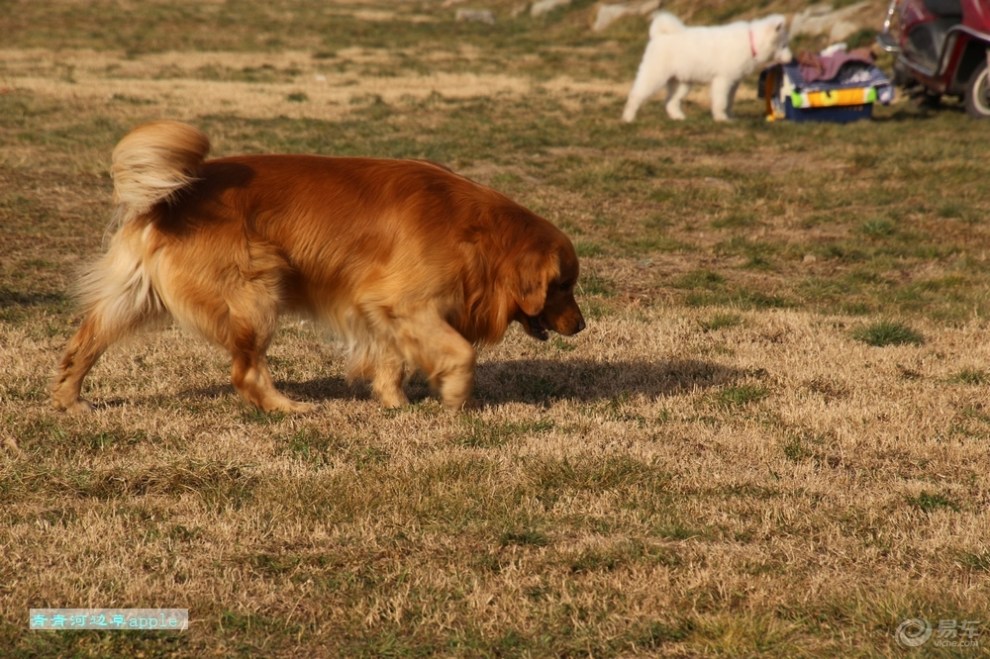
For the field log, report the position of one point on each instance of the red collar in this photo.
(752, 45)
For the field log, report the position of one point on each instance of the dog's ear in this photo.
(533, 272)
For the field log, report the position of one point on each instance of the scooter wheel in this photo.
(977, 98)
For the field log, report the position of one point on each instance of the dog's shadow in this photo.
(530, 381)
(541, 381)
(585, 380)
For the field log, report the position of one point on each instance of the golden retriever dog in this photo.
(411, 264)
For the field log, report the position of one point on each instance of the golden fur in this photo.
(412, 264)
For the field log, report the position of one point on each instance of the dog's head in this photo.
(770, 40)
(543, 287)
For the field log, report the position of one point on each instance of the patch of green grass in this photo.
(312, 447)
(598, 473)
(887, 333)
(674, 530)
(879, 227)
(101, 441)
(971, 376)
(594, 561)
(585, 249)
(796, 450)
(238, 621)
(97, 643)
(930, 502)
(655, 243)
(976, 560)
(613, 556)
(610, 177)
(740, 395)
(481, 434)
(720, 321)
(524, 538)
(657, 635)
(758, 254)
(700, 279)
(254, 415)
(742, 298)
(736, 220)
(592, 283)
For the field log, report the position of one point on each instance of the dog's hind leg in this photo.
(234, 304)
(98, 331)
(118, 300)
(253, 380)
(649, 80)
(676, 91)
(247, 330)
(632, 106)
(245, 326)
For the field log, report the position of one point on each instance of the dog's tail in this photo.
(152, 163)
(665, 23)
(118, 293)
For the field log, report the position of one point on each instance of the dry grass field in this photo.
(773, 439)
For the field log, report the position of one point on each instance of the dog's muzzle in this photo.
(536, 327)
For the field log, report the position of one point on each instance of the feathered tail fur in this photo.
(117, 295)
(152, 163)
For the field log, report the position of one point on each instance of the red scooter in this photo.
(941, 47)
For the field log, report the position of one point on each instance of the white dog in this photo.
(722, 55)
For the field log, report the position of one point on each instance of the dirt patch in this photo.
(174, 82)
(294, 84)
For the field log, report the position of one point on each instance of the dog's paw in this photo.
(296, 407)
(455, 404)
(391, 400)
(288, 406)
(78, 406)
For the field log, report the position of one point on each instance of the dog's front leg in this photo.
(446, 357)
(387, 381)
(722, 92)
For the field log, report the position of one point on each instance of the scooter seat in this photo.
(945, 8)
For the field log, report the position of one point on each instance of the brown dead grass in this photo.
(171, 83)
(667, 483)
(328, 96)
(206, 508)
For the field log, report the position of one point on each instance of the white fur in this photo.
(719, 55)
